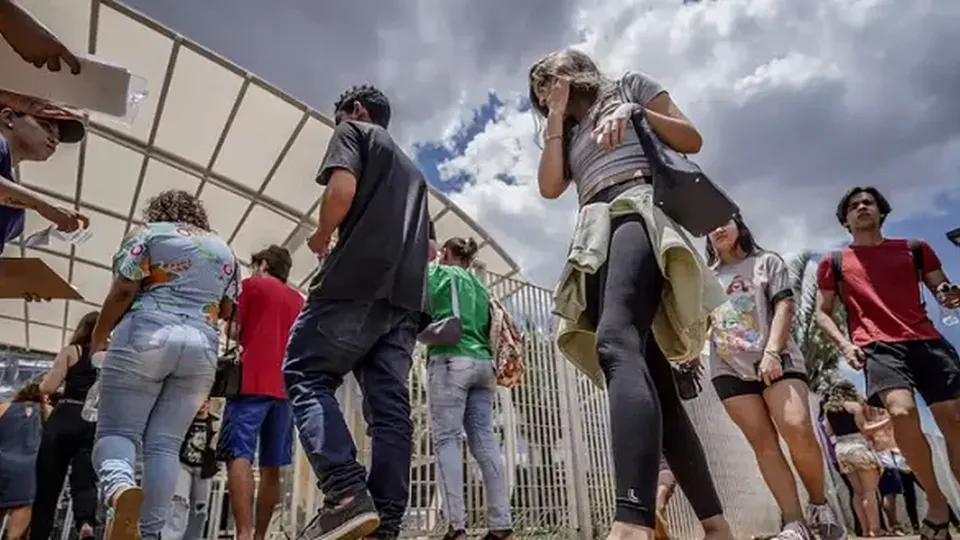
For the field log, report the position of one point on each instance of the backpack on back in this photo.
(507, 344)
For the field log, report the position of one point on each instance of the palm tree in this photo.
(821, 356)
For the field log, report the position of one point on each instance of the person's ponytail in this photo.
(464, 250)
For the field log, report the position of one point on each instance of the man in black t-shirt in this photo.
(365, 307)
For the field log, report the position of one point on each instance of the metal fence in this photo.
(553, 432)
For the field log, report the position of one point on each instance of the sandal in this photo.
(934, 531)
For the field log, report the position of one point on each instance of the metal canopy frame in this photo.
(189, 86)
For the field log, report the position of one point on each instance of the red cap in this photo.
(71, 125)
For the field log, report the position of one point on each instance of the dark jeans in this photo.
(645, 409)
(67, 443)
(374, 341)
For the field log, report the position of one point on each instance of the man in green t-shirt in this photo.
(461, 383)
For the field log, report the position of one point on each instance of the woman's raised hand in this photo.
(558, 96)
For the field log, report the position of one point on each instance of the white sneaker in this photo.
(822, 519)
(794, 530)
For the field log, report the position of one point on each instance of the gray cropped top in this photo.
(592, 168)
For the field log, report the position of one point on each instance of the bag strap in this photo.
(234, 280)
(648, 146)
(916, 251)
(454, 296)
(836, 266)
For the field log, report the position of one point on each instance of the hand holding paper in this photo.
(43, 236)
(66, 219)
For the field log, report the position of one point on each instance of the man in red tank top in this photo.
(268, 308)
(880, 280)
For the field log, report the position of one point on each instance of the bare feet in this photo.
(629, 531)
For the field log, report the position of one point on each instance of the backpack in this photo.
(507, 344)
(916, 250)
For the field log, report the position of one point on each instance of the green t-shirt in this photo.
(474, 310)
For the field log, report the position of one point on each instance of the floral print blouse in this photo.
(182, 270)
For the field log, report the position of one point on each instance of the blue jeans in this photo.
(188, 511)
(374, 341)
(460, 392)
(157, 373)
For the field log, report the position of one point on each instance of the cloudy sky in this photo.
(797, 99)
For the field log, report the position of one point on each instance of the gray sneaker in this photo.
(794, 530)
(821, 518)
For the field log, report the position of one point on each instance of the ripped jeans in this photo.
(188, 512)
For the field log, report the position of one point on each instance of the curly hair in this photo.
(372, 99)
(176, 206)
(839, 393)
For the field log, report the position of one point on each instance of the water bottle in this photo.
(91, 405)
(949, 317)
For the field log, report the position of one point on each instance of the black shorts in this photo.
(728, 386)
(890, 483)
(929, 366)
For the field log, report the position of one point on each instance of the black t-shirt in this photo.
(382, 244)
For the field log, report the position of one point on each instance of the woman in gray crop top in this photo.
(590, 141)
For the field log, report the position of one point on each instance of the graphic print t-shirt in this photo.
(195, 443)
(741, 326)
(182, 270)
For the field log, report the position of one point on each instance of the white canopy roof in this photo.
(248, 149)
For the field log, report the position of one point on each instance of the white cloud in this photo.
(797, 100)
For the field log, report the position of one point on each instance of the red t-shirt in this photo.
(881, 291)
(268, 308)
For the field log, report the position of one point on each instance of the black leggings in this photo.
(67, 443)
(910, 483)
(645, 410)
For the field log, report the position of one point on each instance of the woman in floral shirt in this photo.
(174, 280)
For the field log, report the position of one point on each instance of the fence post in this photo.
(578, 491)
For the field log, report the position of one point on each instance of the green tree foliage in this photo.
(822, 357)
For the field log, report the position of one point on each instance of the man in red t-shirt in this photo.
(268, 308)
(892, 338)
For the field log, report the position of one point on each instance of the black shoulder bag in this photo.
(680, 188)
(229, 379)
